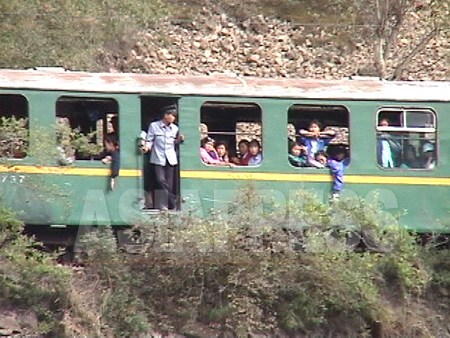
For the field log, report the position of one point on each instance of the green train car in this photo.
(48, 193)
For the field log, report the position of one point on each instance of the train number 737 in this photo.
(12, 178)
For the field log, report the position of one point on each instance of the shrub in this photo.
(75, 144)
(242, 271)
(122, 310)
(13, 137)
(29, 278)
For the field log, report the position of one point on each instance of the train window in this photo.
(82, 123)
(231, 132)
(406, 138)
(316, 133)
(13, 126)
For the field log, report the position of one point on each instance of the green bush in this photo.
(74, 143)
(122, 310)
(13, 137)
(242, 271)
(29, 277)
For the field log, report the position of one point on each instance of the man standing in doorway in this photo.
(162, 136)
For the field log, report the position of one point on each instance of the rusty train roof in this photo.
(224, 85)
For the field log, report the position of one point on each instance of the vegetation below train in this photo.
(232, 274)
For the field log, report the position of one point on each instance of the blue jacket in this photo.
(337, 171)
(321, 144)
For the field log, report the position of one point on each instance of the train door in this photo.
(152, 110)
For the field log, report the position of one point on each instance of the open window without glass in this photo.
(316, 133)
(13, 126)
(231, 134)
(81, 125)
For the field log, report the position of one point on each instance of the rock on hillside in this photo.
(268, 47)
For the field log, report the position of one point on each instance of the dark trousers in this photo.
(165, 186)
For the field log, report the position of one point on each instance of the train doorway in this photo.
(155, 196)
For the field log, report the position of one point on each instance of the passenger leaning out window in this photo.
(337, 162)
(112, 156)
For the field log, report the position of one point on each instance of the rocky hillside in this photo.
(216, 41)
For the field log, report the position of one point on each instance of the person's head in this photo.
(321, 157)
(296, 149)
(243, 146)
(207, 143)
(111, 142)
(384, 122)
(222, 148)
(170, 113)
(314, 126)
(254, 147)
(337, 152)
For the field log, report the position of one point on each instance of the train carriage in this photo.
(50, 193)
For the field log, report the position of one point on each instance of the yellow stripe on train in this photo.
(230, 175)
(22, 169)
(300, 177)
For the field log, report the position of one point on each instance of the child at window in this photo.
(208, 153)
(242, 156)
(297, 155)
(112, 157)
(315, 140)
(320, 160)
(254, 151)
(222, 151)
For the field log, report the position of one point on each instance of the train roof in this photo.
(225, 85)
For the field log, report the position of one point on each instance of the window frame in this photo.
(346, 110)
(404, 128)
(90, 161)
(27, 112)
(218, 103)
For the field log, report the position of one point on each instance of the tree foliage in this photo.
(69, 33)
(380, 23)
(386, 19)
